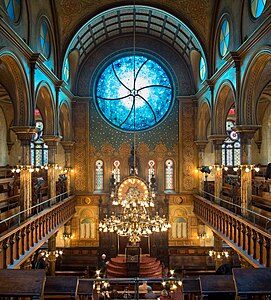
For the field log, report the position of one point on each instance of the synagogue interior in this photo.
(135, 158)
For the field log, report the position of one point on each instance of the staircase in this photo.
(150, 267)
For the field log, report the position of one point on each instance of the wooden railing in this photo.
(249, 240)
(18, 243)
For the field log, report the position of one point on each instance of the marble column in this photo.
(52, 142)
(52, 255)
(25, 134)
(246, 133)
(218, 141)
(201, 144)
(67, 146)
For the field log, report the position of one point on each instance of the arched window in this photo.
(257, 7)
(13, 8)
(169, 175)
(231, 147)
(45, 43)
(66, 70)
(99, 175)
(179, 228)
(202, 69)
(87, 229)
(116, 171)
(224, 38)
(39, 150)
(151, 170)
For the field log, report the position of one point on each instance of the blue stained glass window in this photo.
(45, 39)
(202, 68)
(224, 37)
(39, 150)
(257, 7)
(134, 93)
(13, 8)
(66, 71)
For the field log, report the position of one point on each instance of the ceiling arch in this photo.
(137, 19)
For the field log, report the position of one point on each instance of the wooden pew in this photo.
(252, 282)
(215, 287)
(60, 287)
(22, 283)
(191, 288)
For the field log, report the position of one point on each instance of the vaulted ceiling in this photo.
(196, 14)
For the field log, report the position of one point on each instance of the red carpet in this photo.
(149, 267)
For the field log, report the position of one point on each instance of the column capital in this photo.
(51, 140)
(201, 144)
(217, 138)
(246, 132)
(67, 145)
(24, 133)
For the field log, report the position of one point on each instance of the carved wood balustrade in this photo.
(250, 241)
(17, 244)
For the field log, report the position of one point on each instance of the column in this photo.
(25, 135)
(218, 141)
(201, 144)
(52, 255)
(246, 133)
(52, 142)
(67, 146)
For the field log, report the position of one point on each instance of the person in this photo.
(143, 288)
(103, 265)
(126, 294)
(150, 294)
(164, 295)
(41, 263)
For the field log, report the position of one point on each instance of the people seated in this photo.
(143, 288)
(126, 294)
(150, 294)
(164, 295)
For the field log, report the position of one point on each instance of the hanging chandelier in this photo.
(136, 219)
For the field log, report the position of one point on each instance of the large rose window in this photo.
(134, 93)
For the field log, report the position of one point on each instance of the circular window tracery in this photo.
(134, 93)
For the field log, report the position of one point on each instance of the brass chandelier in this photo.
(135, 219)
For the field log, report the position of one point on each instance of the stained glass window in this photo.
(231, 147)
(169, 175)
(45, 39)
(99, 175)
(202, 68)
(116, 171)
(257, 7)
(39, 150)
(224, 37)
(13, 8)
(134, 93)
(66, 70)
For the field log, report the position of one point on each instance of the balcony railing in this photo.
(27, 234)
(246, 237)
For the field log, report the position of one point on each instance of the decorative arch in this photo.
(14, 80)
(88, 224)
(204, 117)
(224, 100)
(65, 121)
(179, 221)
(253, 84)
(45, 104)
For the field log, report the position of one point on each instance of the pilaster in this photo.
(68, 146)
(201, 145)
(52, 142)
(25, 135)
(246, 133)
